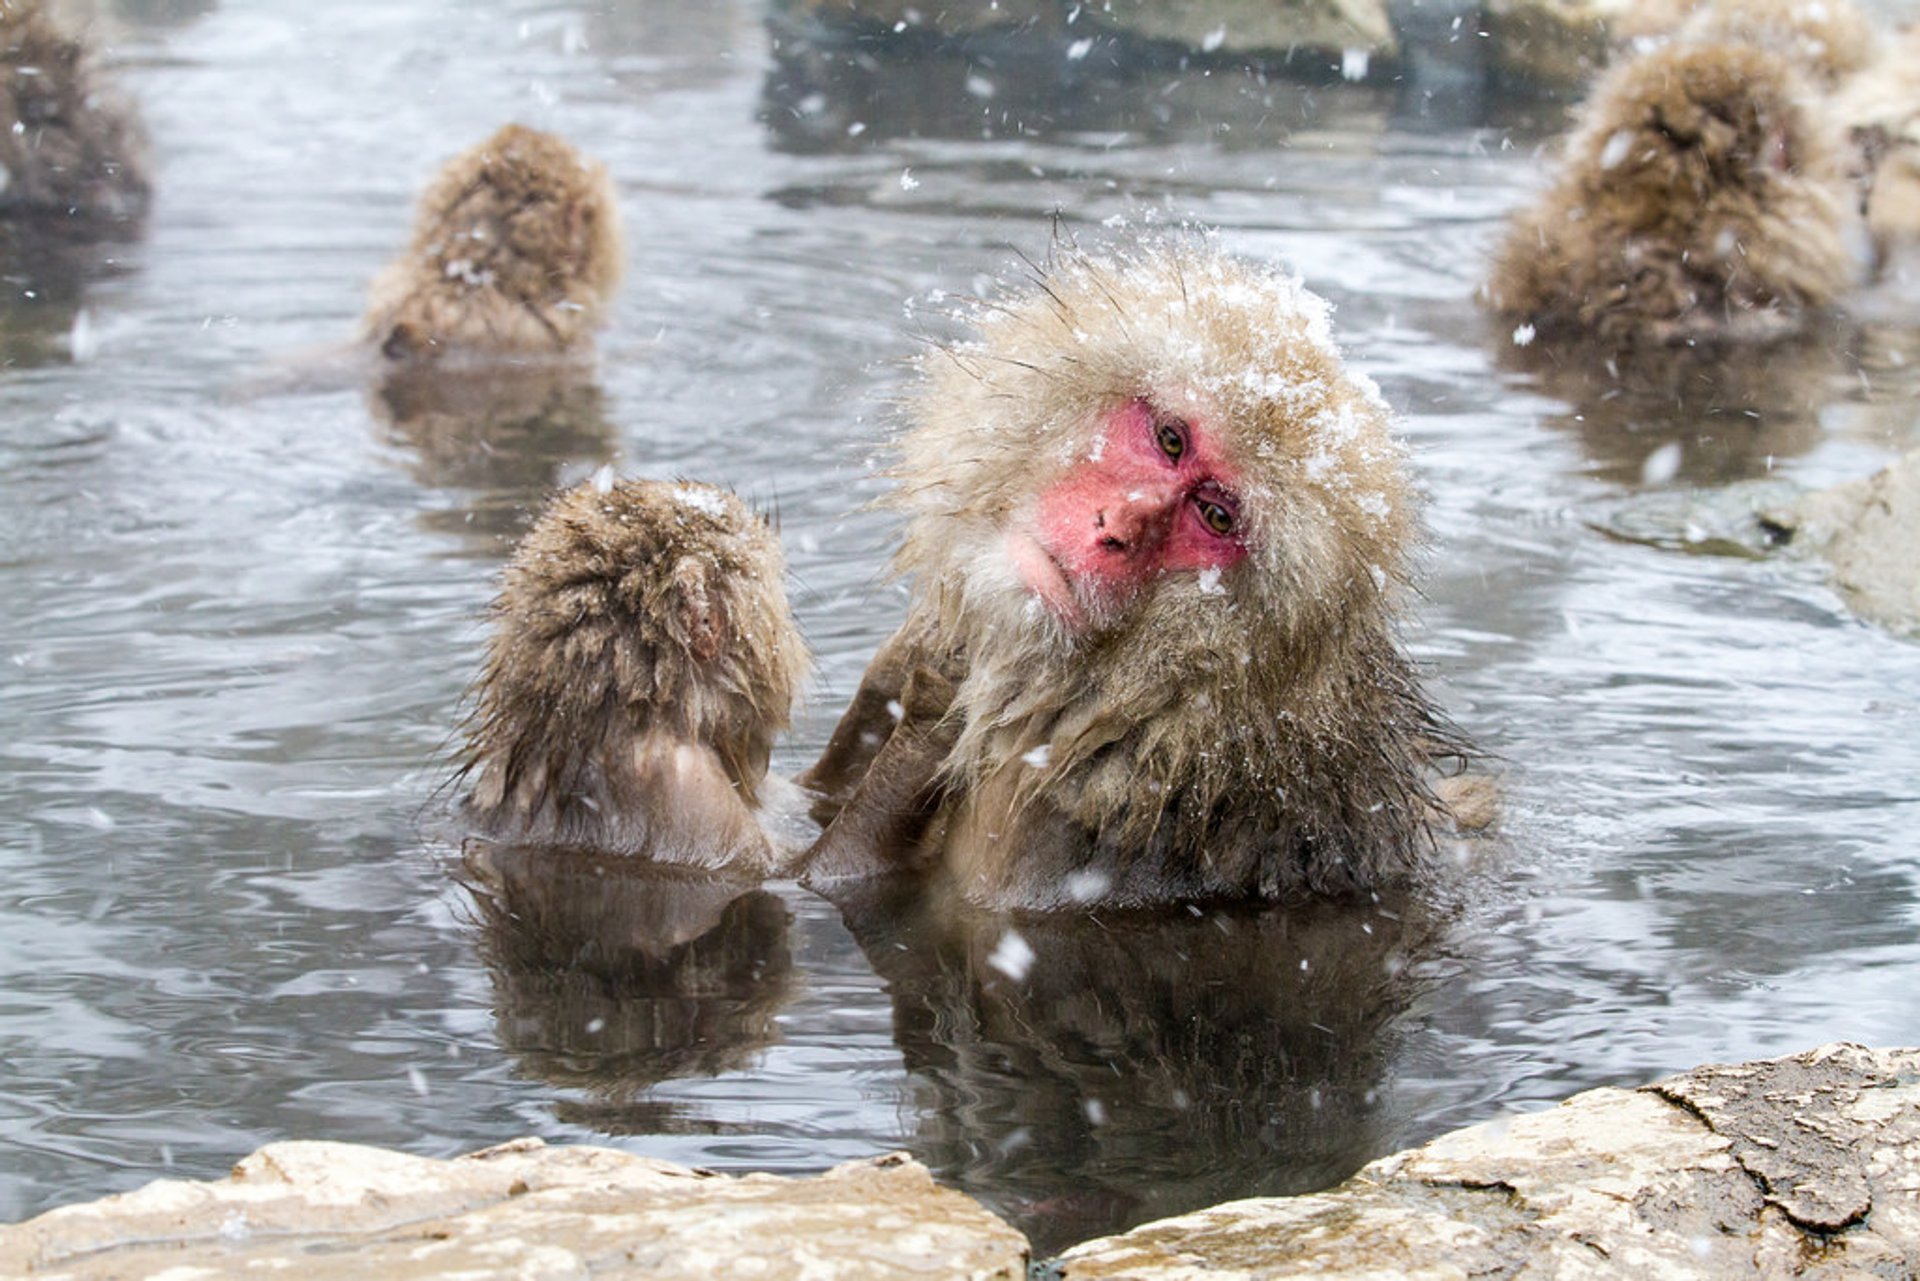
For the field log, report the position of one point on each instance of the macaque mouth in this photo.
(1045, 578)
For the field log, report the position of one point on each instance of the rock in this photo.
(1867, 531)
(1803, 1164)
(338, 1210)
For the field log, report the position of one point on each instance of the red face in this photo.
(1153, 496)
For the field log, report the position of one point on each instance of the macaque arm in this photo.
(879, 826)
(868, 723)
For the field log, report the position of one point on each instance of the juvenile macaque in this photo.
(72, 152)
(516, 253)
(642, 661)
(1704, 199)
(1158, 536)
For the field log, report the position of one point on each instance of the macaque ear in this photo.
(699, 610)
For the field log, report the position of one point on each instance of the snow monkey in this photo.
(72, 150)
(642, 661)
(1829, 40)
(1704, 198)
(516, 253)
(1158, 536)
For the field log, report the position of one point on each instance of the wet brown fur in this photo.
(72, 151)
(1702, 199)
(1881, 108)
(516, 252)
(1829, 40)
(642, 661)
(1254, 737)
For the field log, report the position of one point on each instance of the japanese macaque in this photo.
(1703, 200)
(1881, 108)
(72, 152)
(516, 253)
(643, 659)
(1828, 40)
(1158, 536)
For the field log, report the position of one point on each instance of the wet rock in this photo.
(1799, 1165)
(337, 1210)
(1867, 531)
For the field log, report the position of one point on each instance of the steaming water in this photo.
(237, 623)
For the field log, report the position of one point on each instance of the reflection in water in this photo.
(1083, 1074)
(507, 433)
(611, 974)
(1733, 412)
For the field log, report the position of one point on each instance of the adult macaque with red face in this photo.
(1157, 535)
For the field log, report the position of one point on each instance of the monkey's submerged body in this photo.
(1158, 535)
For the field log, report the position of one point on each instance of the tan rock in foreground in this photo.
(1807, 1165)
(338, 1210)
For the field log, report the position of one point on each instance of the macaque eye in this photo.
(1172, 440)
(1219, 518)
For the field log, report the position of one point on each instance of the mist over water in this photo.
(239, 606)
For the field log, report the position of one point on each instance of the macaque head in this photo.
(1690, 120)
(643, 655)
(1161, 441)
(516, 252)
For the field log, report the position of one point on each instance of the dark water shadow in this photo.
(507, 435)
(612, 975)
(1689, 415)
(1082, 1075)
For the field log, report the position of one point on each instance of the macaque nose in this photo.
(1134, 522)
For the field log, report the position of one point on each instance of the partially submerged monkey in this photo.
(1703, 199)
(71, 150)
(1158, 536)
(642, 661)
(516, 253)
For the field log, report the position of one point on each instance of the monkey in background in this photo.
(516, 254)
(477, 335)
(1158, 537)
(1881, 107)
(1703, 199)
(642, 661)
(72, 151)
(1828, 40)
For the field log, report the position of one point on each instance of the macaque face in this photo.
(1153, 495)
